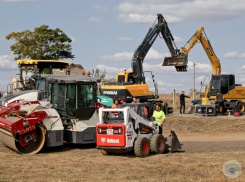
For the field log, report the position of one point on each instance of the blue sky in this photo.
(106, 33)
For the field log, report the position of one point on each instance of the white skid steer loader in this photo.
(123, 130)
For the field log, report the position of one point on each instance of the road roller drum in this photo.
(22, 126)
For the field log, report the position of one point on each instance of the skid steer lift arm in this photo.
(144, 47)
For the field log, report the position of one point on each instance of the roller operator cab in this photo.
(68, 114)
(76, 101)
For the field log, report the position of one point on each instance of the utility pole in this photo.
(194, 90)
(174, 92)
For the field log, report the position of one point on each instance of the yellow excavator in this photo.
(224, 83)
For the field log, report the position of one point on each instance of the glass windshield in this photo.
(231, 80)
(130, 78)
(58, 96)
(121, 78)
(113, 116)
(71, 103)
(143, 112)
(224, 82)
(215, 85)
(85, 95)
(40, 85)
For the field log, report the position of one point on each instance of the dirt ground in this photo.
(207, 144)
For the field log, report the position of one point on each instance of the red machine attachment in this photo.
(20, 129)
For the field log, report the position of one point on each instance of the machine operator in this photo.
(159, 116)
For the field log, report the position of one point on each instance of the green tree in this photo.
(98, 73)
(41, 44)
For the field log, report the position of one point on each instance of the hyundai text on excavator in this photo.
(224, 83)
(132, 84)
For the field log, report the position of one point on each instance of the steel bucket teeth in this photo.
(180, 62)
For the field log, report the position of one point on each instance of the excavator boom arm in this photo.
(198, 36)
(144, 47)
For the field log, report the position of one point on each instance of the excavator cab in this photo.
(127, 77)
(221, 83)
(180, 62)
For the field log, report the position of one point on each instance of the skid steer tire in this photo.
(157, 144)
(142, 147)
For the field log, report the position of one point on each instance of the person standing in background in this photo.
(116, 105)
(122, 101)
(182, 102)
(220, 99)
(134, 100)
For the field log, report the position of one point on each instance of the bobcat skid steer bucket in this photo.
(180, 62)
(172, 142)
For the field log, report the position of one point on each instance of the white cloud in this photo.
(161, 83)
(125, 38)
(233, 55)
(174, 85)
(175, 11)
(158, 68)
(178, 39)
(139, 18)
(73, 39)
(99, 7)
(200, 67)
(19, 0)
(94, 19)
(123, 56)
(199, 79)
(230, 55)
(242, 56)
(184, 81)
(111, 72)
(2, 38)
(148, 80)
(153, 54)
(240, 79)
(7, 63)
(117, 57)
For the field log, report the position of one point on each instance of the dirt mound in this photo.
(198, 124)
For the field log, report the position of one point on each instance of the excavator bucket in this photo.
(172, 142)
(180, 62)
